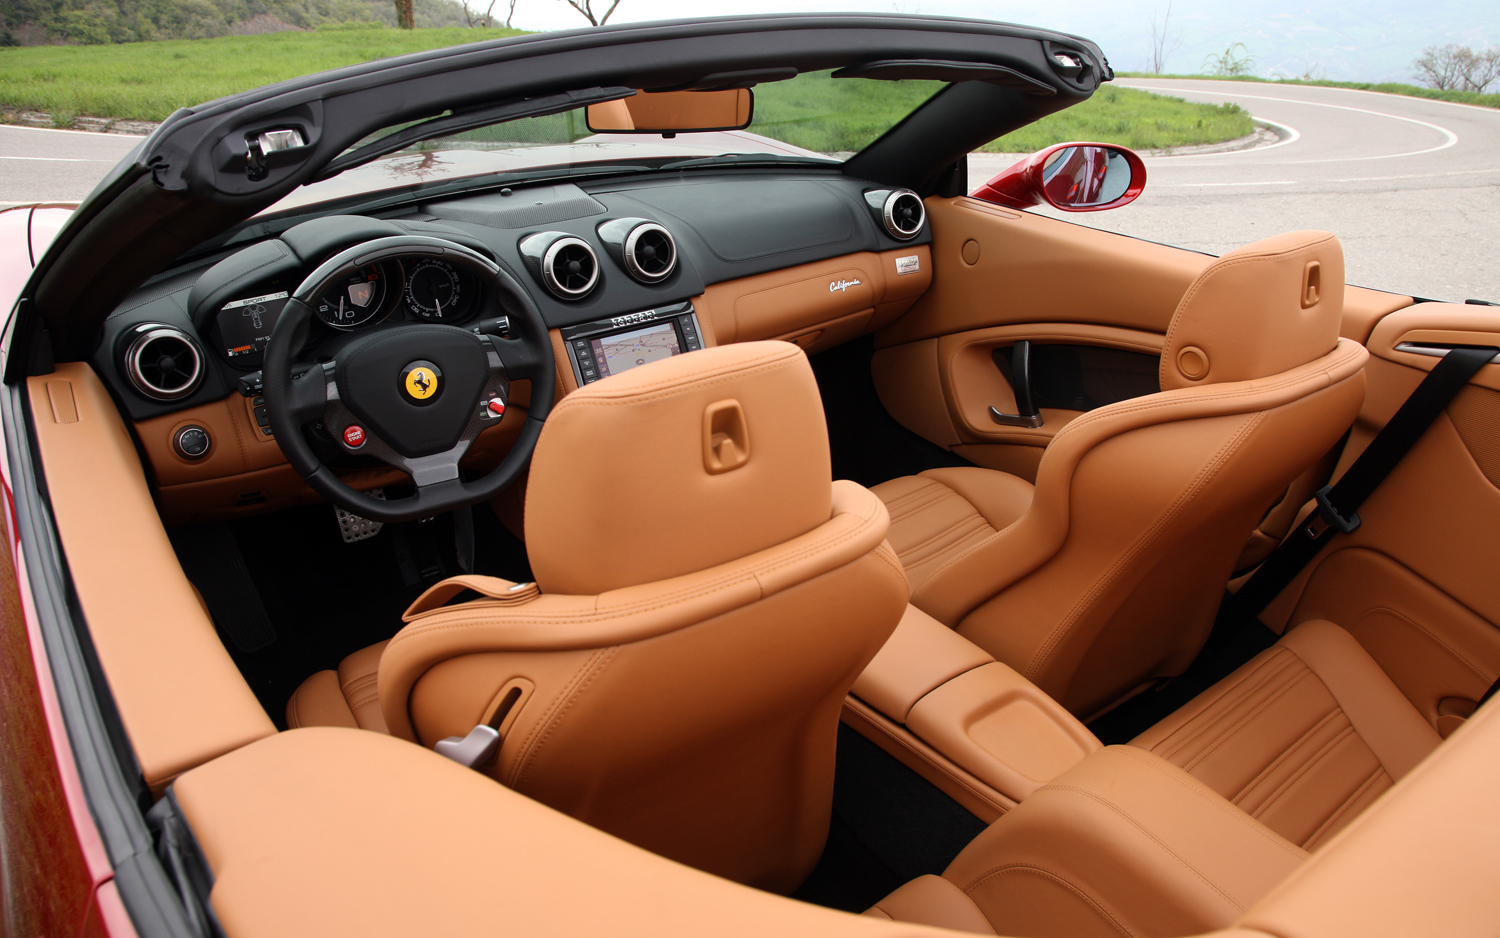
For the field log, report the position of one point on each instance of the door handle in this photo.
(1436, 351)
(1020, 383)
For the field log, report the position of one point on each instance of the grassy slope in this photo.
(1388, 87)
(149, 80)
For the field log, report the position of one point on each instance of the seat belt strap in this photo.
(1338, 505)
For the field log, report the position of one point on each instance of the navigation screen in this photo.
(624, 351)
(246, 324)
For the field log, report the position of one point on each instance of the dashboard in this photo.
(624, 272)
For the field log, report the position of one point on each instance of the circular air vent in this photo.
(163, 362)
(650, 252)
(903, 214)
(570, 268)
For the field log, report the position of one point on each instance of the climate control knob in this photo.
(192, 442)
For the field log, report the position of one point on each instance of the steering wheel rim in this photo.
(315, 394)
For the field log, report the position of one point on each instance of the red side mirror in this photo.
(1074, 177)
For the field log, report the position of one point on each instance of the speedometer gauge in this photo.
(434, 291)
(356, 300)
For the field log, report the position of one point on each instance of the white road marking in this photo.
(57, 159)
(1451, 137)
(1205, 185)
(55, 130)
(1457, 172)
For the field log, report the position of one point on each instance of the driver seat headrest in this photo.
(1259, 310)
(677, 466)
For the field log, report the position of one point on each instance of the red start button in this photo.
(354, 436)
(497, 407)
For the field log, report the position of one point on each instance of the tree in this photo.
(1457, 68)
(487, 19)
(1163, 44)
(1229, 63)
(406, 14)
(585, 8)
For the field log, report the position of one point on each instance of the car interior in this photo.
(751, 546)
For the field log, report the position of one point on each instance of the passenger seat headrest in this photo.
(1259, 310)
(677, 466)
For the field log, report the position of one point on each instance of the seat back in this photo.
(1149, 501)
(707, 599)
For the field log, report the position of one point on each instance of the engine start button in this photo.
(354, 436)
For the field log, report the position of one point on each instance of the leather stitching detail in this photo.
(1272, 667)
(1260, 706)
(1323, 752)
(1213, 799)
(596, 666)
(543, 726)
(1060, 880)
(949, 538)
(1344, 809)
(1286, 754)
(1457, 653)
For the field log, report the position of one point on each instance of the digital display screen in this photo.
(626, 350)
(246, 324)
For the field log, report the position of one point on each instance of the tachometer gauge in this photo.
(356, 301)
(434, 291)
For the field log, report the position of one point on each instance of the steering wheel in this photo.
(414, 395)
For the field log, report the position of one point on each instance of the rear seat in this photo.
(1303, 737)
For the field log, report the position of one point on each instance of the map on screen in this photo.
(622, 352)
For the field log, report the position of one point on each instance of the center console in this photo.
(609, 346)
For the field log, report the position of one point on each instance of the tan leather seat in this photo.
(707, 599)
(1146, 839)
(1303, 737)
(1106, 575)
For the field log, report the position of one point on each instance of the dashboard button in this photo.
(354, 436)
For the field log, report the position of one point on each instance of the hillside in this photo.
(95, 22)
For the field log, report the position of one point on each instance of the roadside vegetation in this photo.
(1388, 87)
(150, 80)
(1136, 119)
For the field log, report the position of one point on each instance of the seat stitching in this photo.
(1343, 809)
(1126, 407)
(597, 667)
(928, 493)
(1286, 754)
(945, 540)
(1214, 800)
(1063, 881)
(294, 711)
(552, 706)
(1245, 720)
(1209, 470)
(1212, 716)
(1306, 767)
(1152, 836)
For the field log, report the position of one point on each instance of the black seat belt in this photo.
(1338, 505)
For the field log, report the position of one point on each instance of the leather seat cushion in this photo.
(939, 514)
(1303, 737)
(348, 697)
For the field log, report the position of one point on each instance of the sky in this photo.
(1371, 40)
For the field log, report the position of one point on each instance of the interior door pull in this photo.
(1020, 383)
(1436, 351)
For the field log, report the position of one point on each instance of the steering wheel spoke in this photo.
(415, 396)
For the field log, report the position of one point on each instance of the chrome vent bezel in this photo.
(633, 265)
(137, 372)
(549, 276)
(888, 214)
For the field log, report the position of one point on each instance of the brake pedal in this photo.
(354, 528)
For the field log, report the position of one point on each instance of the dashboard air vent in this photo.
(650, 253)
(163, 362)
(569, 268)
(903, 214)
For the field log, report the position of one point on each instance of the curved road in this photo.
(1411, 186)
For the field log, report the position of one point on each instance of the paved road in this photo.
(1411, 186)
(39, 165)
